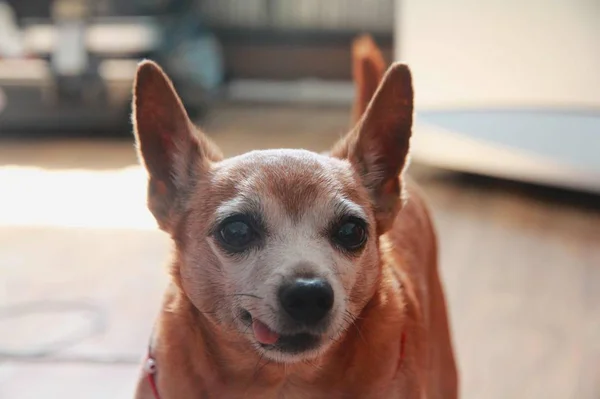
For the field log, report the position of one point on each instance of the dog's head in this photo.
(278, 246)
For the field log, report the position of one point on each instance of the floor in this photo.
(81, 266)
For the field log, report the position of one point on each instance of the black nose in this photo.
(307, 300)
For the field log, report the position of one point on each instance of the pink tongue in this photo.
(263, 334)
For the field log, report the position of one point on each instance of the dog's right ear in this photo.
(173, 151)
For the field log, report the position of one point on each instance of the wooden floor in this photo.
(521, 265)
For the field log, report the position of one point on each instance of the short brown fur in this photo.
(368, 67)
(199, 356)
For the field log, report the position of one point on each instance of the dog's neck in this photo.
(218, 359)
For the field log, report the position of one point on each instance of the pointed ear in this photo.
(172, 150)
(378, 146)
(368, 67)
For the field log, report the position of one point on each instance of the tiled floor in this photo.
(521, 266)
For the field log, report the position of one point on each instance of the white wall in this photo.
(488, 53)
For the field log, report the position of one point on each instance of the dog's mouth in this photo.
(272, 340)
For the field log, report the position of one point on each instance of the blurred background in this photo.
(506, 147)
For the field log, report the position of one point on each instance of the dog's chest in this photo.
(377, 389)
(382, 380)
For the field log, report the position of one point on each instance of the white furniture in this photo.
(506, 88)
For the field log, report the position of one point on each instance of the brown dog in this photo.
(294, 274)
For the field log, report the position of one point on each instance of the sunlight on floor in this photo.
(74, 198)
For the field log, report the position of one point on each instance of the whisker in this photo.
(360, 334)
(312, 364)
(204, 312)
(245, 295)
(258, 369)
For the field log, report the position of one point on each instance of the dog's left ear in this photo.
(173, 151)
(378, 146)
(368, 68)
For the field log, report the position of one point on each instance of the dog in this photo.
(294, 274)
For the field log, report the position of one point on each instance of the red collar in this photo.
(150, 369)
(150, 365)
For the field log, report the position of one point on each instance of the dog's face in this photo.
(288, 252)
(279, 246)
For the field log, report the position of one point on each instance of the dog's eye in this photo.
(237, 235)
(350, 234)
